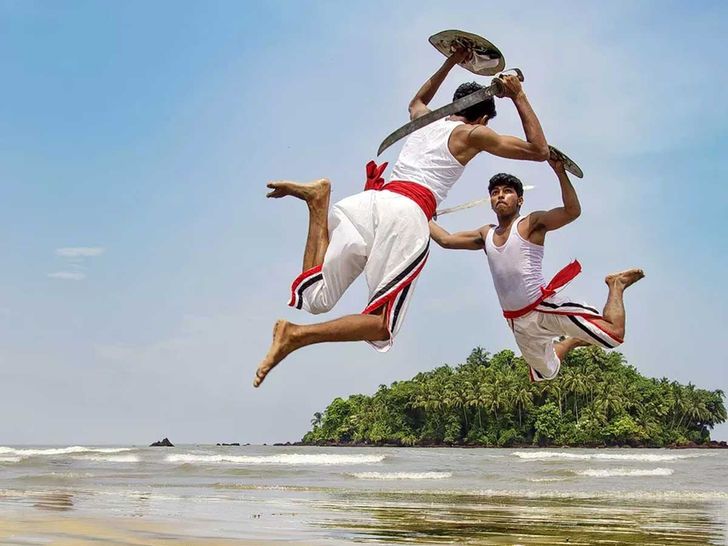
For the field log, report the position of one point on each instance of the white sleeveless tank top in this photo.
(426, 159)
(515, 268)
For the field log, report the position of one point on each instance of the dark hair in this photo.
(487, 107)
(504, 179)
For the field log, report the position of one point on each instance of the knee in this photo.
(317, 307)
(382, 333)
(321, 302)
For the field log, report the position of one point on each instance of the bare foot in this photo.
(309, 192)
(625, 278)
(280, 348)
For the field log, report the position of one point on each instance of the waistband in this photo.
(561, 279)
(418, 193)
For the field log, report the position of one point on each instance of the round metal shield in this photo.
(569, 165)
(487, 59)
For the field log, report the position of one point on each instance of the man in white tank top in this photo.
(535, 311)
(385, 233)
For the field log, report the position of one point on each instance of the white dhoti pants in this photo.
(383, 234)
(556, 316)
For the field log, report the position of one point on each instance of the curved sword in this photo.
(458, 106)
(495, 89)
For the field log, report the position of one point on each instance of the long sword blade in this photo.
(472, 204)
(452, 108)
(463, 206)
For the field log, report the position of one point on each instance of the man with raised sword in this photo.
(383, 231)
(534, 310)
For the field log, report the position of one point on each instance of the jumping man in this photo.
(385, 233)
(533, 309)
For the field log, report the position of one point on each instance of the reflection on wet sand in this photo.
(54, 501)
(396, 518)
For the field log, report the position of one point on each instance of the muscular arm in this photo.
(534, 148)
(418, 105)
(555, 218)
(466, 240)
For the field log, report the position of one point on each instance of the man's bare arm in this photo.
(418, 105)
(534, 148)
(555, 218)
(465, 240)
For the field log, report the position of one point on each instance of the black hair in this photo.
(487, 107)
(504, 179)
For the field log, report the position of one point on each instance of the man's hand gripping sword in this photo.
(495, 89)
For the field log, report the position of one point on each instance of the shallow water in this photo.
(310, 494)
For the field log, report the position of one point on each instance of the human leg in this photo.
(316, 195)
(564, 346)
(395, 261)
(613, 321)
(317, 289)
(537, 347)
(289, 337)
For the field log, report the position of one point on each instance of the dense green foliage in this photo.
(597, 399)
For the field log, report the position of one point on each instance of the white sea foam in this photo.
(60, 451)
(288, 459)
(6, 460)
(563, 455)
(620, 495)
(402, 475)
(610, 472)
(109, 458)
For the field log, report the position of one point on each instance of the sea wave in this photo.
(563, 455)
(668, 495)
(287, 459)
(611, 472)
(109, 458)
(7, 460)
(55, 476)
(59, 451)
(402, 475)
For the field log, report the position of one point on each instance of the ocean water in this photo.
(386, 495)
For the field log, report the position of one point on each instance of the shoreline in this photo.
(713, 444)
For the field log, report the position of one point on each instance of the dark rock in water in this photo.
(162, 443)
(232, 444)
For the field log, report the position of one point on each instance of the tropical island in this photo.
(489, 401)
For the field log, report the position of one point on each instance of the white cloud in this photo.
(80, 251)
(68, 275)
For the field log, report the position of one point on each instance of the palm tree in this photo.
(317, 419)
(555, 388)
(523, 398)
(610, 399)
(576, 383)
(459, 395)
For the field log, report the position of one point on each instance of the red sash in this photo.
(417, 192)
(561, 279)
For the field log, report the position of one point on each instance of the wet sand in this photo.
(71, 529)
(278, 495)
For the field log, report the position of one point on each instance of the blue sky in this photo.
(139, 136)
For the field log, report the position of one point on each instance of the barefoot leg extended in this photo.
(614, 315)
(316, 195)
(288, 337)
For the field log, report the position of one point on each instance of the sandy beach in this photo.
(317, 495)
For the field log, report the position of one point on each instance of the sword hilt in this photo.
(498, 82)
(518, 71)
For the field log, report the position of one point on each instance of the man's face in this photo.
(504, 200)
